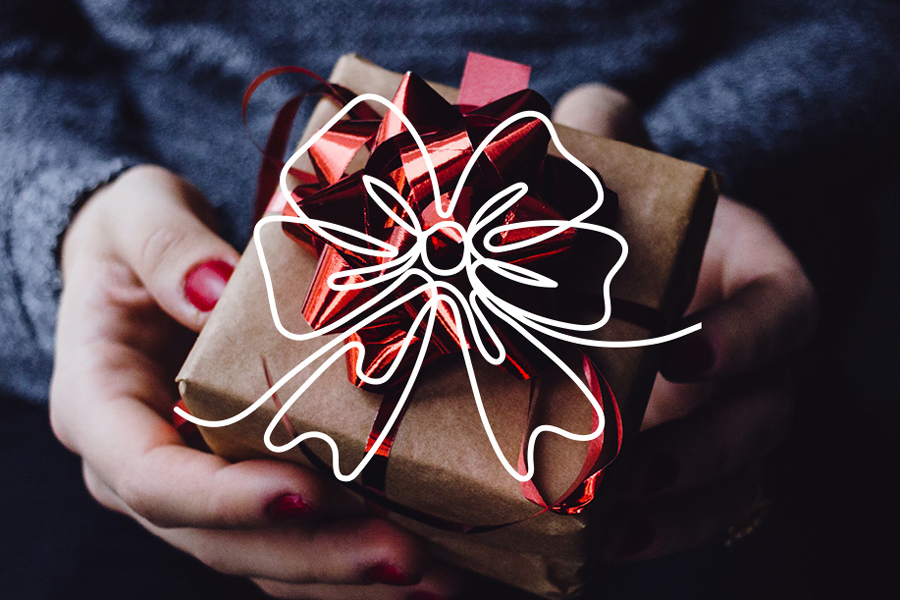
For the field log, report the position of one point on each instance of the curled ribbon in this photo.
(452, 238)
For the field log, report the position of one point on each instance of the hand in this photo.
(722, 402)
(141, 269)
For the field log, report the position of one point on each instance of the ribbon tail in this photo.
(584, 487)
(273, 152)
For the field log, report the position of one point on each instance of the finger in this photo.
(754, 300)
(604, 111)
(151, 470)
(746, 420)
(439, 582)
(110, 404)
(669, 401)
(666, 524)
(156, 229)
(349, 551)
(138, 454)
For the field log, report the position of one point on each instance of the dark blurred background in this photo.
(829, 530)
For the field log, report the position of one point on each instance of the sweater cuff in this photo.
(41, 213)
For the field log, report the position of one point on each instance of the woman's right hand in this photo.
(140, 269)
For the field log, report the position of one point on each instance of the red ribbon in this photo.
(556, 191)
(450, 134)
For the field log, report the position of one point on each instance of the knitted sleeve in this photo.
(64, 132)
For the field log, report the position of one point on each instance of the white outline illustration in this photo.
(398, 269)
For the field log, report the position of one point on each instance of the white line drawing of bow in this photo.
(398, 269)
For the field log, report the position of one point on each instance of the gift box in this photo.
(443, 479)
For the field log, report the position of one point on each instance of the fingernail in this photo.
(204, 283)
(182, 425)
(424, 596)
(387, 573)
(690, 359)
(638, 537)
(291, 506)
(661, 473)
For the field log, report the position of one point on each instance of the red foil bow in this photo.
(513, 172)
(556, 191)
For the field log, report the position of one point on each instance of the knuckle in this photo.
(602, 110)
(389, 541)
(747, 213)
(220, 508)
(160, 247)
(598, 91)
(377, 531)
(146, 172)
(98, 492)
(616, 105)
(58, 423)
(134, 493)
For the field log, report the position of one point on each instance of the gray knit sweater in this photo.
(88, 87)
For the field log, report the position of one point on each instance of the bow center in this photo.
(445, 250)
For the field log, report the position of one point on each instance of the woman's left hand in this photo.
(721, 402)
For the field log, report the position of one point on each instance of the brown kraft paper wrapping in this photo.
(441, 460)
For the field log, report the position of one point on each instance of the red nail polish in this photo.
(387, 573)
(424, 596)
(182, 425)
(291, 506)
(690, 359)
(662, 472)
(638, 537)
(204, 283)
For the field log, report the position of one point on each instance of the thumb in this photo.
(753, 297)
(156, 229)
(602, 110)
